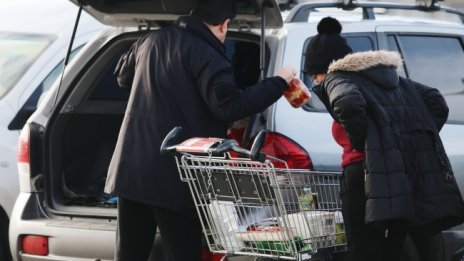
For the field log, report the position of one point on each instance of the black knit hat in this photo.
(214, 12)
(328, 45)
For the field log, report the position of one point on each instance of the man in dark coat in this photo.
(179, 76)
(395, 170)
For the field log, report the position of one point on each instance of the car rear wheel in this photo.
(4, 245)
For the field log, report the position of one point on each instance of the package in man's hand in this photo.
(297, 93)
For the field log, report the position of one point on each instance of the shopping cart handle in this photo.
(255, 152)
(223, 147)
(167, 146)
(232, 145)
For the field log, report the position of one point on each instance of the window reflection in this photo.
(435, 61)
(17, 53)
(438, 62)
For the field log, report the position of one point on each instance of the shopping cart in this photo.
(248, 207)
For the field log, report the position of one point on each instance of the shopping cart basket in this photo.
(249, 207)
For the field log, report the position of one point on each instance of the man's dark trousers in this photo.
(137, 224)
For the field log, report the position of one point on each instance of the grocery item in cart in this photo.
(282, 247)
(266, 230)
(307, 198)
(339, 228)
(270, 235)
(313, 225)
(297, 93)
(198, 145)
(224, 217)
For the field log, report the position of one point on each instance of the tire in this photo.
(3, 253)
(4, 244)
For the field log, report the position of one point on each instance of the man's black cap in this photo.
(214, 12)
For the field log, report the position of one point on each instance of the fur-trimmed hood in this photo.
(378, 66)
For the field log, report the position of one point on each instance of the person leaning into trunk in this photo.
(179, 76)
(396, 174)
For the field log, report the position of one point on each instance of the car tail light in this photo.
(206, 255)
(284, 148)
(23, 146)
(24, 167)
(35, 245)
(28, 156)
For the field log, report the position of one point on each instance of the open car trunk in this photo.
(83, 134)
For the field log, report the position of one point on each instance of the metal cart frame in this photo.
(248, 207)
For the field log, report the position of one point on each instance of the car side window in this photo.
(31, 104)
(393, 46)
(436, 61)
(428, 59)
(357, 42)
(360, 43)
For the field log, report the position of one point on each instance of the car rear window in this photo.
(17, 53)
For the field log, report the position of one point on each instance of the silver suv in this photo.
(65, 147)
(31, 59)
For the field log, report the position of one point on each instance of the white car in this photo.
(34, 38)
(66, 145)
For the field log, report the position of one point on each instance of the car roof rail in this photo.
(301, 12)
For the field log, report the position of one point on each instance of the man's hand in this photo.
(287, 72)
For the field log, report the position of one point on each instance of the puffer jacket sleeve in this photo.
(434, 101)
(348, 106)
(229, 103)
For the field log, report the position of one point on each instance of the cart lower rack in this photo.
(251, 208)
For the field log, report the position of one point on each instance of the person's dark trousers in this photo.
(181, 235)
(424, 244)
(366, 242)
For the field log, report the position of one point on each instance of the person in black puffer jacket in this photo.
(396, 174)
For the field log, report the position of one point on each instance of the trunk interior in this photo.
(83, 135)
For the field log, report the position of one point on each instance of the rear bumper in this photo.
(70, 239)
